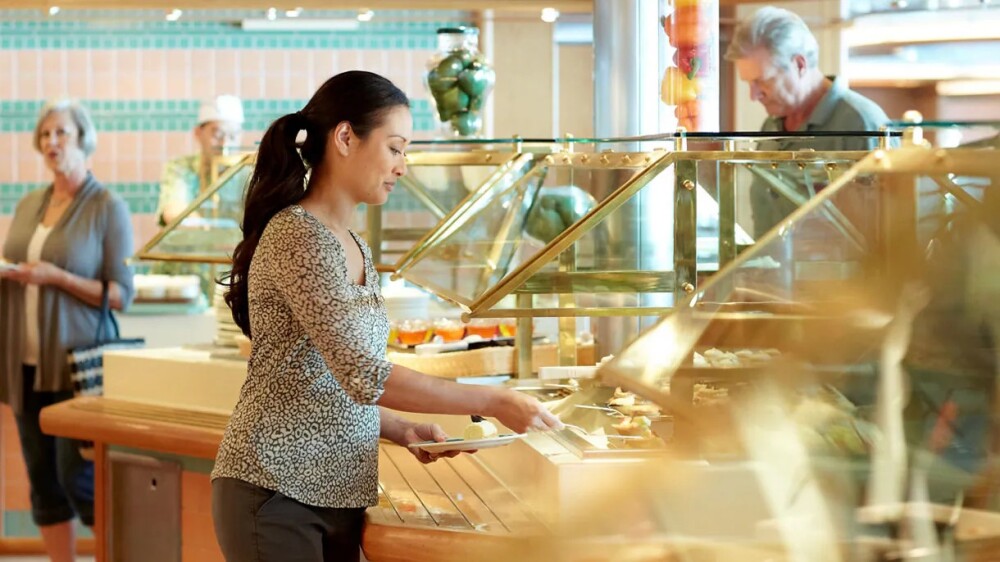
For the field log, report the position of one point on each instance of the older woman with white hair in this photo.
(777, 55)
(66, 246)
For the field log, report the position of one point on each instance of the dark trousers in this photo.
(254, 524)
(62, 482)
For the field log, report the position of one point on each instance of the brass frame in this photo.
(146, 253)
(681, 281)
(903, 166)
(508, 164)
(651, 164)
(374, 234)
(375, 230)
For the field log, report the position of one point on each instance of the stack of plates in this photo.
(227, 330)
(405, 303)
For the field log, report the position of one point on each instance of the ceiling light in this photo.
(293, 13)
(53, 10)
(365, 15)
(272, 14)
(550, 15)
(174, 15)
(923, 27)
(300, 24)
(968, 88)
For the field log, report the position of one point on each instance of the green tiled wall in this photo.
(170, 115)
(415, 33)
(142, 198)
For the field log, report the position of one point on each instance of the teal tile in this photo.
(172, 115)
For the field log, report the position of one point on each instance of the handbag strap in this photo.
(106, 315)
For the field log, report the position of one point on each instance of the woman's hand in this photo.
(419, 432)
(38, 273)
(523, 413)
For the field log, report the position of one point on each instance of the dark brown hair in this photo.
(279, 178)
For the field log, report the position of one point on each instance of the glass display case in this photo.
(436, 182)
(849, 378)
(611, 227)
(208, 230)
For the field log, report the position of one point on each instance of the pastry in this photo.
(479, 430)
(634, 426)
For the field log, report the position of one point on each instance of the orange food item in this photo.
(508, 327)
(485, 328)
(413, 332)
(685, 28)
(412, 337)
(449, 330)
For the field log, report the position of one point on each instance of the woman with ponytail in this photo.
(298, 463)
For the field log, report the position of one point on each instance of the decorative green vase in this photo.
(459, 79)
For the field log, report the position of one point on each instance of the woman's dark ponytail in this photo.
(279, 180)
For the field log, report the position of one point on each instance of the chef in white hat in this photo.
(220, 125)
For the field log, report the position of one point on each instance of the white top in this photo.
(31, 334)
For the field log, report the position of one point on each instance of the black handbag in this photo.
(86, 363)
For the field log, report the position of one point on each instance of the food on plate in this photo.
(708, 395)
(624, 399)
(741, 358)
(480, 430)
(640, 409)
(630, 405)
(634, 426)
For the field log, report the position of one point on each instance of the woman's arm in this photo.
(45, 273)
(403, 432)
(88, 290)
(409, 391)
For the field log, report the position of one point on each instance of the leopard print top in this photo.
(306, 423)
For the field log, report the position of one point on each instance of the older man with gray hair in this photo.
(777, 55)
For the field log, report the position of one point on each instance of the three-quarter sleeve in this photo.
(309, 268)
(118, 247)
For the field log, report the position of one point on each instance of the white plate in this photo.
(459, 444)
(7, 266)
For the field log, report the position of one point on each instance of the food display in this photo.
(689, 30)
(167, 288)
(629, 405)
(459, 79)
(413, 332)
(741, 358)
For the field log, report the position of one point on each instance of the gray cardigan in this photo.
(92, 239)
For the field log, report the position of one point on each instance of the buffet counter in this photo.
(452, 509)
(157, 430)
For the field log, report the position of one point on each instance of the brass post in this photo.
(685, 229)
(522, 340)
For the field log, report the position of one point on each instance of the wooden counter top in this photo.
(141, 426)
(453, 509)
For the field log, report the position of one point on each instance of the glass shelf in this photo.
(209, 229)
(568, 239)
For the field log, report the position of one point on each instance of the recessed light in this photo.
(272, 14)
(293, 13)
(550, 15)
(174, 15)
(53, 10)
(365, 15)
